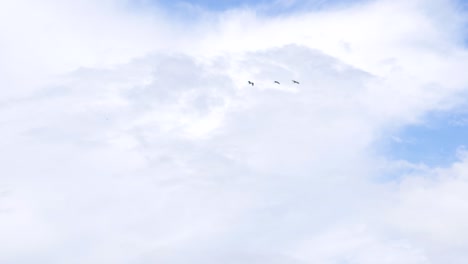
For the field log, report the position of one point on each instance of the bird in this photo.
(295, 81)
(251, 83)
(277, 82)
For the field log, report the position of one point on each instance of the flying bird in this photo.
(295, 81)
(277, 82)
(251, 83)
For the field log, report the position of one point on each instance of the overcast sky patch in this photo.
(132, 136)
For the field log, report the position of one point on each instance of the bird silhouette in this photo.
(277, 82)
(295, 81)
(251, 83)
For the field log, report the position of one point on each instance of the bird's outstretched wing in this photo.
(277, 82)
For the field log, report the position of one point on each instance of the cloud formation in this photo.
(136, 138)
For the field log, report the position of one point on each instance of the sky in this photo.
(129, 132)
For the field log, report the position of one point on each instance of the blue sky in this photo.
(271, 6)
(435, 141)
(268, 6)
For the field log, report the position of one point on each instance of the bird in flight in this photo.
(251, 83)
(277, 82)
(295, 81)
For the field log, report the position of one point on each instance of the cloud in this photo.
(44, 39)
(132, 143)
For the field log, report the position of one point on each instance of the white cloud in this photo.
(132, 143)
(41, 39)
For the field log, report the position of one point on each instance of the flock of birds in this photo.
(294, 81)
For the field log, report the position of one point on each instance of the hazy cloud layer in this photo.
(132, 137)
